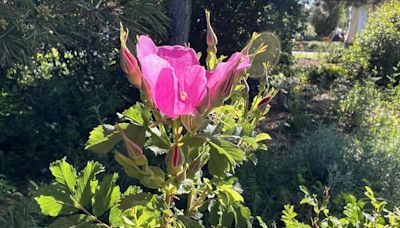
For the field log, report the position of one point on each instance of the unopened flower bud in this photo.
(192, 122)
(212, 41)
(134, 151)
(211, 38)
(175, 160)
(195, 166)
(177, 157)
(264, 102)
(129, 63)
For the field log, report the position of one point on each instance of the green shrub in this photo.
(324, 158)
(17, 209)
(315, 160)
(356, 103)
(368, 212)
(375, 52)
(325, 74)
(48, 108)
(371, 115)
(51, 98)
(323, 46)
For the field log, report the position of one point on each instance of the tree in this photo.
(235, 21)
(27, 26)
(326, 16)
(59, 74)
(180, 12)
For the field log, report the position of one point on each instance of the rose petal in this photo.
(145, 47)
(166, 92)
(223, 70)
(152, 66)
(178, 56)
(244, 63)
(192, 82)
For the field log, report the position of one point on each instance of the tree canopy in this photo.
(29, 25)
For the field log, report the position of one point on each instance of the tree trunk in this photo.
(180, 12)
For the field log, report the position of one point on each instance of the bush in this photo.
(357, 103)
(315, 160)
(325, 74)
(63, 78)
(368, 212)
(17, 209)
(323, 46)
(48, 108)
(375, 51)
(371, 115)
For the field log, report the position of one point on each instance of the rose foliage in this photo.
(197, 119)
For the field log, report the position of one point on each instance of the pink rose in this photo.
(177, 83)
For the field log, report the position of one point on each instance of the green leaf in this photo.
(124, 161)
(54, 200)
(85, 182)
(304, 190)
(188, 222)
(78, 221)
(252, 157)
(50, 205)
(104, 138)
(107, 195)
(135, 113)
(218, 164)
(229, 150)
(223, 156)
(262, 137)
(245, 212)
(64, 173)
(242, 217)
(158, 140)
(140, 199)
(193, 141)
(185, 187)
(227, 218)
(136, 133)
(233, 194)
(214, 217)
(155, 180)
(251, 141)
(115, 217)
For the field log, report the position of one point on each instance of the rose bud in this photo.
(175, 160)
(211, 37)
(264, 102)
(133, 149)
(128, 62)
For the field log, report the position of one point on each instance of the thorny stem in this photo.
(165, 218)
(168, 196)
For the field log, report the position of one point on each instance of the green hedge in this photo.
(375, 52)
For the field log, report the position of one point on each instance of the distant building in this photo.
(358, 18)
